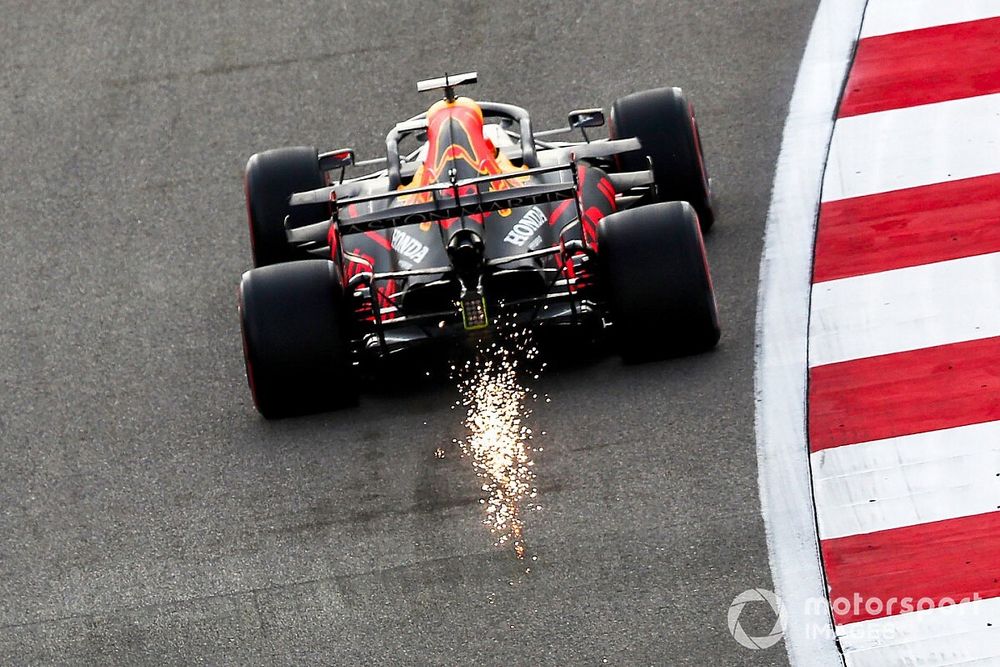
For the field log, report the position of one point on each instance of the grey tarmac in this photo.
(149, 516)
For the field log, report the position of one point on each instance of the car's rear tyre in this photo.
(664, 122)
(657, 281)
(270, 179)
(295, 344)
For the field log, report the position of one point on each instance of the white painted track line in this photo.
(905, 309)
(965, 634)
(914, 146)
(782, 312)
(888, 16)
(907, 480)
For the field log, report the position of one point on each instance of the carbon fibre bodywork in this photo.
(531, 216)
(484, 221)
(485, 224)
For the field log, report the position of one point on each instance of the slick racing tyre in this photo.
(657, 281)
(665, 125)
(270, 179)
(293, 320)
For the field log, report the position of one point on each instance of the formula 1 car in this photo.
(485, 220)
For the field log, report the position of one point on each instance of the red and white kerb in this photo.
(904, 340)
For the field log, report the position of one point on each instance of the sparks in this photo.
(498, 436)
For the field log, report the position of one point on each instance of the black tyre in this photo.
(664, 122)
(657, 281)
(297, 353)
(271, 178)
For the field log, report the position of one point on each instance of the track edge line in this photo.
(781, 370)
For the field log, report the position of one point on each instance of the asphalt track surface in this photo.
(148, 515)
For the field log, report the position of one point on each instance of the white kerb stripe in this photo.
(905, 309)
(781, 334)
(907, 480)
(905, 148)
(965, 634)
(888, 16)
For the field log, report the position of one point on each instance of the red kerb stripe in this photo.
(903, 393)
(908, 227)
(955, 559)
(906, 69)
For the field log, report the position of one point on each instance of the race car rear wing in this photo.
(448, 200)
(453, 200)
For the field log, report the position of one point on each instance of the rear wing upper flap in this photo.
(559, 156)
(442, 207)
(447, 200)
(447, 206)
(453, 200)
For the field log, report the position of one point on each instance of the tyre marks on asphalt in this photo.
(904, 340)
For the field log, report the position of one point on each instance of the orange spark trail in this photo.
(498, 437)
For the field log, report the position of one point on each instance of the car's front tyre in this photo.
(664, 122)
(270, 179)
